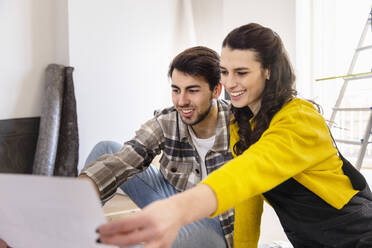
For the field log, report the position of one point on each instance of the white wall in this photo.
(121, 51)
(277, 15)
(209, 22)
(32, 36)
(214, 19)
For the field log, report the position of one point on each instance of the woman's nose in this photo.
(229, 82)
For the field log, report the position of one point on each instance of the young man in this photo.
(193, 137)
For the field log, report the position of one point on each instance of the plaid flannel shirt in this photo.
(180, 163)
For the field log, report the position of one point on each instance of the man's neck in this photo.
(207, 128)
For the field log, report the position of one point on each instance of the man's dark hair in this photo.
(198, 62)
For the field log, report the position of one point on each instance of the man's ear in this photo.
(217, 91)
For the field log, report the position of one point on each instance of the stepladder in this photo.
(360, 125)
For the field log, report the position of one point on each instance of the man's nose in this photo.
(183, 99)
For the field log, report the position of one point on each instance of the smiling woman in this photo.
(283, 154)
(258, 77)
(243, 77)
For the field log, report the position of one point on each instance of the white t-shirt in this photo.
(202, 146)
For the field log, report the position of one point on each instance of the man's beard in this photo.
(202, 116)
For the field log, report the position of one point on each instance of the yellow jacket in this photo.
(297, 144)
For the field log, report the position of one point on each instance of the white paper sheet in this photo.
(50, 212)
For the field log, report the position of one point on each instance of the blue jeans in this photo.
(149, 186)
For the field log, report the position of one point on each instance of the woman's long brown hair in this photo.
(279, 88)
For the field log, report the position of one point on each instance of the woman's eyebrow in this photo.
(235, 69)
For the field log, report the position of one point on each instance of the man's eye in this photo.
(193, 91)
(224, 72)
(241, 73)
(175, 91)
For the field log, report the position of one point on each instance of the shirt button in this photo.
(197, 171)
(173, 169)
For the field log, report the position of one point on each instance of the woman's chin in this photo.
(238, 104)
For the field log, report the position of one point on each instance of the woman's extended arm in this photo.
(157, 224)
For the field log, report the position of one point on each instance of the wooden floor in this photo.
(118, 207)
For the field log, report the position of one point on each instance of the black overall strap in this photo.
(357, 179)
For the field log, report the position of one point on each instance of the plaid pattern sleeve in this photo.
(112, 170)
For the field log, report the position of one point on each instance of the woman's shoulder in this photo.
(298, 103)
(298, 108)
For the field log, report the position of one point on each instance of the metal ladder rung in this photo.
(352, 142)
(359, 77)
(349, 77)
(352, 109)
(363, 48)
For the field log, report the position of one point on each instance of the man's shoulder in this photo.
(166, 117)
(170, 111)
(225, 104)
(167, 121)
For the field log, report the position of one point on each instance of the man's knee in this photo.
(150, 174)
(101, 148)
(151, 177)
(107, 146)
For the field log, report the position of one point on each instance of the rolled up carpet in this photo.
(46, 148)
(68, 142)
